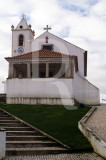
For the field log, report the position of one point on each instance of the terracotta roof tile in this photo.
(41, 54)
(45, 54)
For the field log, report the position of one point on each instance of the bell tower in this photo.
(22, 37)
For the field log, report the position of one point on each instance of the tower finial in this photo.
(23, 15)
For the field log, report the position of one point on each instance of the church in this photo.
(47, 70)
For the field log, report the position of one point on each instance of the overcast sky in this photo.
(81, 22)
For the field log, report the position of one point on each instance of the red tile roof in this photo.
(41, 54)
(44, 54)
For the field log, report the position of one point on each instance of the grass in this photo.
(55, 121)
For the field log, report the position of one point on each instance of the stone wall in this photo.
(48, 101)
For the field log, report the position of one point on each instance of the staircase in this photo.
(24, 139)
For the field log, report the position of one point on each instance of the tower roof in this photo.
(23, 24)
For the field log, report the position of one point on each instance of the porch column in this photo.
(47, 70)
(11, 71)
(67, 70)
(28, 70)
(71, 70)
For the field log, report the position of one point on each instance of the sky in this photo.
(81, 22)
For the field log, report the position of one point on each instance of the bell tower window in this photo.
(21, 27)
(21, 40)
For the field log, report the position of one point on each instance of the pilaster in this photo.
(11, 71)
(72, 69)
(47, 70)
(28, 70)
(67, 70)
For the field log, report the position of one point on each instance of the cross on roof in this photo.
(23, 15)
(47, 28)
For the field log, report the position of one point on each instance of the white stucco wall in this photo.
(40, 88)
(2, 143)
(84, 91)
(59, 45)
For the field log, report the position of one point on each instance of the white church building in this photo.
(47, 70)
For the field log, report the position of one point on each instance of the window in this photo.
(21, 40)
(48, 47)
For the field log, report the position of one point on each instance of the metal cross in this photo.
(47, 28)
(23, 15)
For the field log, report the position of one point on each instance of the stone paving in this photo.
(97, 122)
(84, 156)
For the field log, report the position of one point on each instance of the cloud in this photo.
(82, 23)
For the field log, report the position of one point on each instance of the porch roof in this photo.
(42, 54)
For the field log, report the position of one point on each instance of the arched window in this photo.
(21, 40)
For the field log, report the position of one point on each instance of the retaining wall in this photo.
(84, 91)
(97, 143)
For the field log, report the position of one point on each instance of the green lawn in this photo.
(54, 120)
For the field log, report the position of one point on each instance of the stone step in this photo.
(23, 139)
(4, 115)
(21, 133)
(30, 144)
(35, 151)
(12, 125)
(9, 121)
(7, 118)
(18, 129)
(26, 138)
(1, 111)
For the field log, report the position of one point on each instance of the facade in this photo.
(47, 70)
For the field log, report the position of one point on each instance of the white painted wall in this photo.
(79, 88)
(40, 88)
(61, 46)
(2, 143)
(84, 91)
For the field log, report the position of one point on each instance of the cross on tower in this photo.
(47, 28)
(23, 15)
